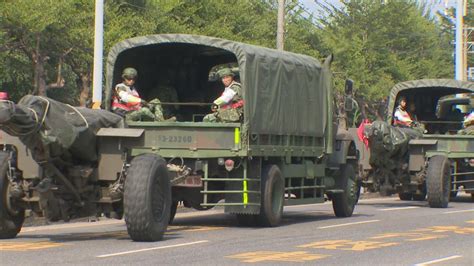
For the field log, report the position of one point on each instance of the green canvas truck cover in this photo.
(284, 93)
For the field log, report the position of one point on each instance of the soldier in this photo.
(228, 107)
(168, 94)
(401, 116)
(468, 124)
(127, 102)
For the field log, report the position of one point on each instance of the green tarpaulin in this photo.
(284, 93)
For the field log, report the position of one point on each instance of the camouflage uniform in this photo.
(168, 94)
(153, 112)
(230, 109)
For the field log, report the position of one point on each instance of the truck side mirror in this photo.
(348, 87)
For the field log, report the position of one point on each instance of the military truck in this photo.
(435, 158)
(287, 149)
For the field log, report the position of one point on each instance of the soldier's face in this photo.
(129, 82)
(403, 104)
(227, 80)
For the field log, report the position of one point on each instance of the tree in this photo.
(378, 49)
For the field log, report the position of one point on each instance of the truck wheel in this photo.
(419, 197)
(147, 198)
(11, 218)
(343, 203)
(174, 208)
(405, 196)
(438, 178)
(272, 196)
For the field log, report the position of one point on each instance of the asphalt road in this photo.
(382, 231)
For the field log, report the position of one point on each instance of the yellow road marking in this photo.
(26, 246)
(470, 222)
(349, 245)
(412, 236)
(451, 229)
(259, 256)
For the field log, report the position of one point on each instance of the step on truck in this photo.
(288, 147)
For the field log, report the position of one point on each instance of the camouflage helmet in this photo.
(130, 73)
(225, 72)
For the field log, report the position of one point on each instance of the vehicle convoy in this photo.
(434, 157)
(287, 149)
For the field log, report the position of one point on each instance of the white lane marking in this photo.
(148, 249)
(438, 260)
(329, 202)
(472, 210)
(400, 208)
(338, 225)
(378, 199)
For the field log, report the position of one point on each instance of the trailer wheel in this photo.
(11, 217)
(405, 196)
(438, 178)
(147, 198)
(272, 196)
(343, 203)
(174, 208)
(419, 197)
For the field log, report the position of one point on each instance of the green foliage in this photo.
(379, 44)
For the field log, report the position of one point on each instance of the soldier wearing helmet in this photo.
(127, 102)
(228, 107)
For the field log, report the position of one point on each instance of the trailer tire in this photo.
(405, 196)
(147, 198)
(343, 203)
(419, 197)
(11, 218)
(438, 179)
(272, 196)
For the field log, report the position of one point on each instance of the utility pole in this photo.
(460, 63)
(281, 25)
(98, 54)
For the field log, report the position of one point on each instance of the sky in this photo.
(438, 5)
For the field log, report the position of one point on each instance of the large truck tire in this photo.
(147, 198)
(272, 197)
(11, 217)
(343, 203)
(405, 196)
(438, 179)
